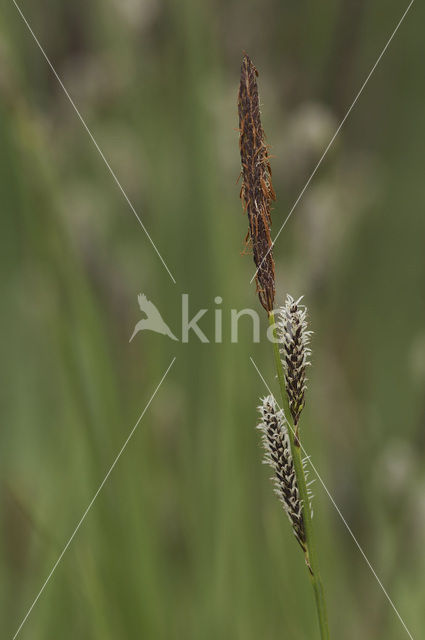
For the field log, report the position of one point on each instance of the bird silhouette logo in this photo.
(153, 320)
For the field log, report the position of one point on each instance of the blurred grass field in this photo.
(186, 539)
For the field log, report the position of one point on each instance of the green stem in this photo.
(310, 553)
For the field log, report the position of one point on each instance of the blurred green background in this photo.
(186, 539)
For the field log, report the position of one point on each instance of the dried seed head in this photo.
(257, 190)
(292, 331)
(276, 444)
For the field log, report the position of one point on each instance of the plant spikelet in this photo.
(257, 190)
(295, 339)
(277, 448)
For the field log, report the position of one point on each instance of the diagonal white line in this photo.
(319, 477)
(93, 500)
(111, 171)
(334, 136)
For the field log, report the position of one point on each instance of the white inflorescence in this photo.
(295, 351)
(278, 455)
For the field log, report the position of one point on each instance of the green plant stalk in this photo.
(310, 553)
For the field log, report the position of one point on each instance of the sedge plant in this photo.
(280, 427)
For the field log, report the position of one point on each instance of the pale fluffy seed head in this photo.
(278, 455)
(294, 337)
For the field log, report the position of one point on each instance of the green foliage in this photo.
(186, 539)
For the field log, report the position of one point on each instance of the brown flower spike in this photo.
(257, 190)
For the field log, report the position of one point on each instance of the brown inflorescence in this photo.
(257, 190)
